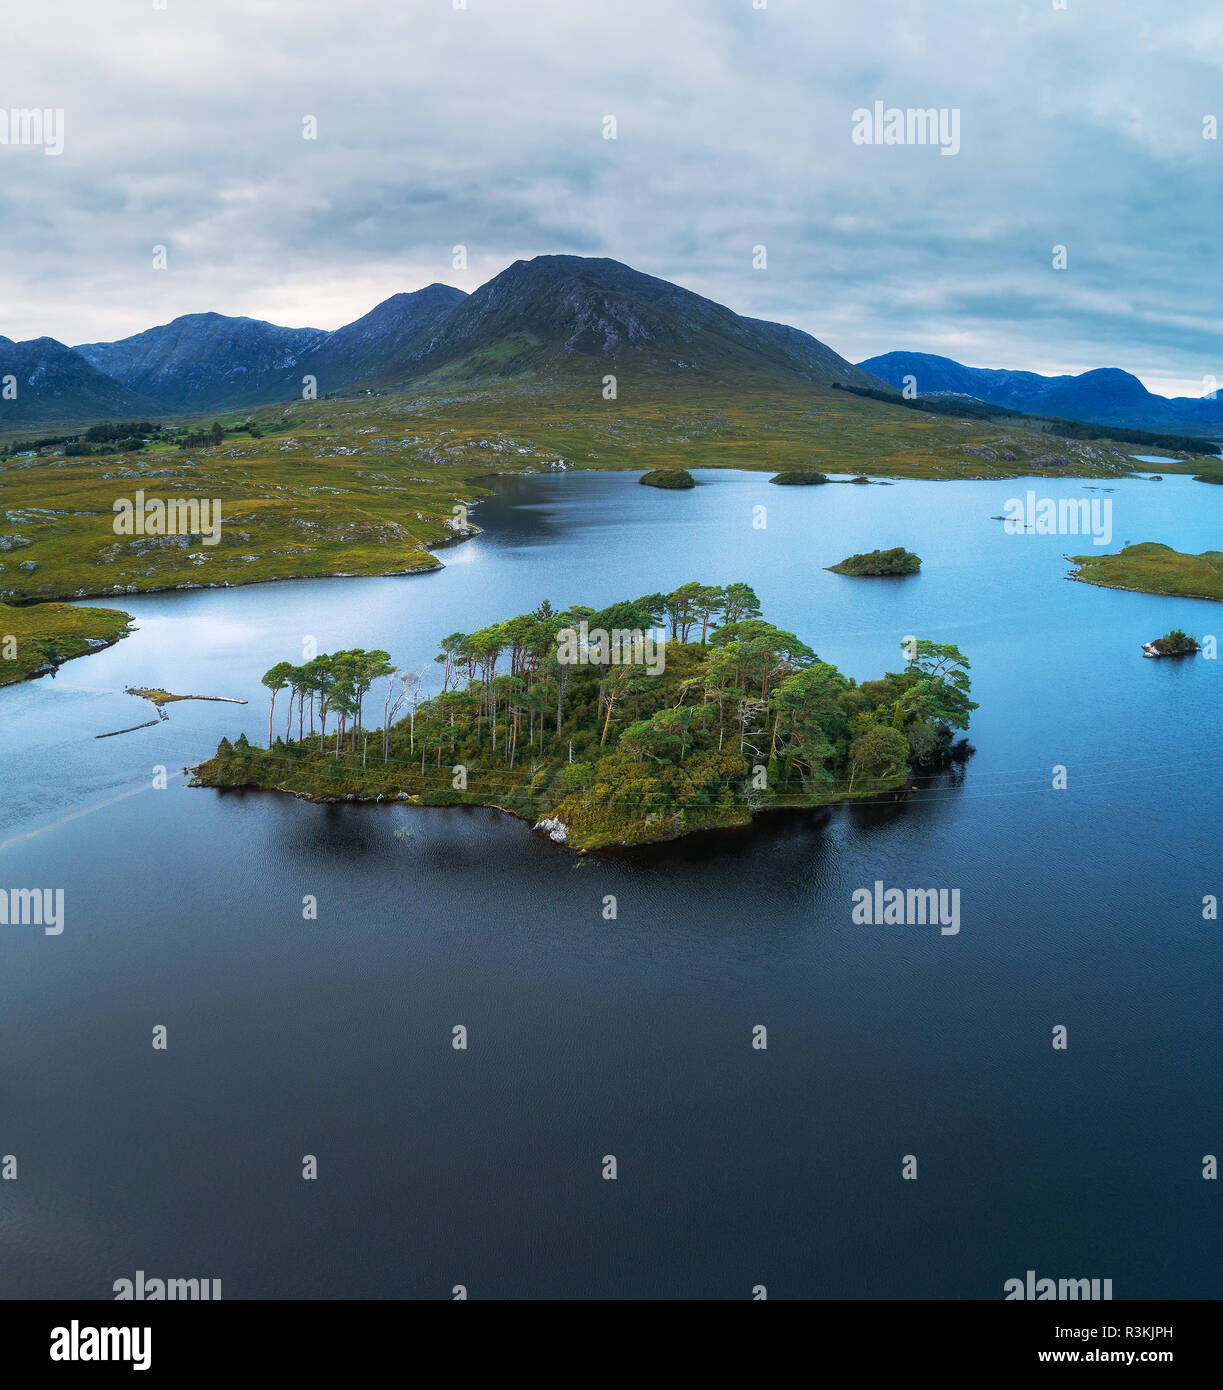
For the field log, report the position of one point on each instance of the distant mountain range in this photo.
(1106, 396)
(547, 316)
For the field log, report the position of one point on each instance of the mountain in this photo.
(551, 317)
(200, 361)
(383, 341)
(1106, 396)
(574, 312)
(53, 383)
(203, 361)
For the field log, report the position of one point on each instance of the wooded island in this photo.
(650, 719)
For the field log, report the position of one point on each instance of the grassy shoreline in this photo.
(367, 487)
(36, 639)
(1152, 568)
(310, 776)
(355, 789)
(374, 486)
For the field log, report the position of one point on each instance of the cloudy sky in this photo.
(483, 126)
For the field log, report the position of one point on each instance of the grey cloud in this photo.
(483, 126)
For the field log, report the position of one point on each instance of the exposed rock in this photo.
(556, 828)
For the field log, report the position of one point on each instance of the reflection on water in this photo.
(633, 1036)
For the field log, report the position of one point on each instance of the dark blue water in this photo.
(736, 1167)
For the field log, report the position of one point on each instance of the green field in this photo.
(368, 484)
(36, 639)
(375, 483)
(1151, 568)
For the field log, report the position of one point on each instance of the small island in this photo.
(36, 639)
(879, 562)
(159, 699)
(645, 721)
(799, 477)
(1174, 643)
(1152, 568)
(668, 478)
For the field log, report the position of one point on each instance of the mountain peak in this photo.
(552, 313)
(57, 383)
(1113, 378)
(556, 311)
(198, 361)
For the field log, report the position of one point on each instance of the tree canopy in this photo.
(741, 716)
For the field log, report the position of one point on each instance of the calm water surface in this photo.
(736, 1167)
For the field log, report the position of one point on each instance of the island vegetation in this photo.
(1152, 568)
(668, 478)
(799, 477)
(36, 639)
(1174, 643)
(879, 562)
(647, 720)
(159, 699)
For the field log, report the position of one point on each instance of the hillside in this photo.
(592, 315)
(383, 343)
(1105, 396)
(202, 361)
(53, 382)
(368, 485)
(552, 318)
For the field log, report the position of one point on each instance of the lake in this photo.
(736, 1166)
